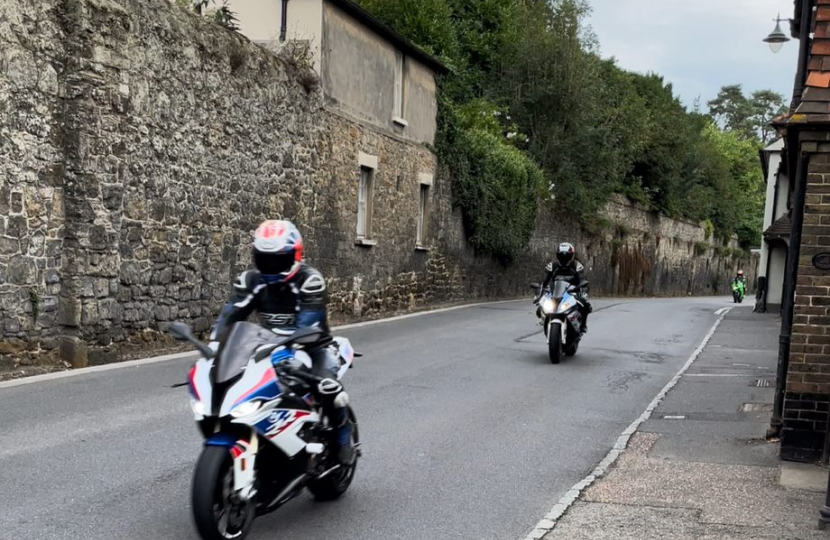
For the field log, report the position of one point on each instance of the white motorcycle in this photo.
(267, 436)
(559, 311)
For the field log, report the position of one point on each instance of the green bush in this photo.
(701, 248)
(722, 251)
(708, 228)
(497, 188)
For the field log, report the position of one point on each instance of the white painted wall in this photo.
(774, 158)
(775, 280)
(261, 20)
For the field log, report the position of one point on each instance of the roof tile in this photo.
(823, 13)
(812, 93)
(819, 78)
(814, 107)
(780, 228)
(822, 29)
(821, 46)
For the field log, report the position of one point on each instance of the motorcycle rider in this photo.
(740, 277)
(288, 294)
(566, 266)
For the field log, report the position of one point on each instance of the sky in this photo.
(698, 45)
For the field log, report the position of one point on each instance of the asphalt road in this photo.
(468, 431)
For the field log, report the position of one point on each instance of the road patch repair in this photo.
(695, 464)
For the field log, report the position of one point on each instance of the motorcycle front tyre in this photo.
(210, 480)
(554, 342)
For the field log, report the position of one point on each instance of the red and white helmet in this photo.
(565, 253)
(277, 250)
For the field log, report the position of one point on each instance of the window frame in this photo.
(399, 89)
(365, 194)
(425, 182)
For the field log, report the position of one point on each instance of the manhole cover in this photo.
(756, 407)
(762, 383)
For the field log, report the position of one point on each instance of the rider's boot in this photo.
(346, 451)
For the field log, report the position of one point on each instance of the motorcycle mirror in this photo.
(180, 331)
(534, 285)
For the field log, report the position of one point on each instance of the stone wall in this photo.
(140, 146)
(31, 175)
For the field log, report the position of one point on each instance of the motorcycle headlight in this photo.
(548, 305)
(197, 407)
(566, 305)
(245, 409)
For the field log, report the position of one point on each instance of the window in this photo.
(364, 202)
(423, 214)
(397, 113)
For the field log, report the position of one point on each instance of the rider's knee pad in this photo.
(341, 400)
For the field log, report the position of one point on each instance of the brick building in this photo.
(805, 338)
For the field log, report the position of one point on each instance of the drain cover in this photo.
(762, 383)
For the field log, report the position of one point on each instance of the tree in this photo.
(528, 103)
(749, 117)
(767, 105)
(732, 111)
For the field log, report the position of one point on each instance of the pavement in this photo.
(699, 467)
(468, 431)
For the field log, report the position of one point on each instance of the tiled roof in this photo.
(815, 102)
(780, 228)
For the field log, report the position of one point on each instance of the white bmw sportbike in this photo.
(267, 437)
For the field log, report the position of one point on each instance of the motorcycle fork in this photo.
(562, 329)
(244, 458)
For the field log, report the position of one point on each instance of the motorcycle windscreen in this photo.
(559, 288)
(245, 338)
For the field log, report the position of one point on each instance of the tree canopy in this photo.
(526, 80)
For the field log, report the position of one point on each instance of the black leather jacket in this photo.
(298, 302)
(573, 272)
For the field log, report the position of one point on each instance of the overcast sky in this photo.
(698, 45)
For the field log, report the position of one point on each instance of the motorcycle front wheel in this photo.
(217, 512)
(554, 342)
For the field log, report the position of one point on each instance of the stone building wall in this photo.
(141, 145)
(31, 175)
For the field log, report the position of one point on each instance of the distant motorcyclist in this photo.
(739, 286)
(566, 267)
(288, 294)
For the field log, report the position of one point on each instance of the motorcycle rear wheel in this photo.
(216, 514)
(571, 349)
(337, 483)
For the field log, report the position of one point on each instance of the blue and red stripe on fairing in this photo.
(266, 389)
(191, 379)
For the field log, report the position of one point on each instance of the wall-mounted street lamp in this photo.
(777, 38)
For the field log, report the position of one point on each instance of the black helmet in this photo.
(565, 254)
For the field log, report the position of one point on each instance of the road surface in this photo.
(468, 431)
